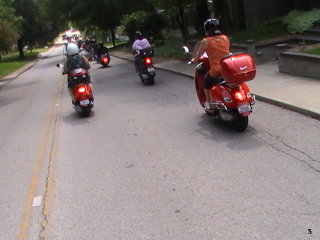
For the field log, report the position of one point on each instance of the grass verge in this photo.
(12, 62)
(315, 50)
(261, 33)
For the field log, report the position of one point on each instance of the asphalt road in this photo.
(149, 164)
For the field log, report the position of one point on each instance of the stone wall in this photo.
(301, 64)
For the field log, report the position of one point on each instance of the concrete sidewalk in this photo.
(292, 92)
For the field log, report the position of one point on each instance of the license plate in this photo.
(84, 102)
(244, 109)
(150, 69)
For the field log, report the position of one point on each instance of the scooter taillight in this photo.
(148, 60)
(81, 89)
(239, 95)
(105, 60)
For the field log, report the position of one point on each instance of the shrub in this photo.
(299, 22)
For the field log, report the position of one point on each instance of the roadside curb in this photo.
(263, 99)
(288, 106)
(278, 103)
(14, 75)
(19, 71)
(4, 80)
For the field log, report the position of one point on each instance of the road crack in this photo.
(281, 146)
(49, 181)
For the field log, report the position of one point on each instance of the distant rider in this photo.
(216, 45)
(101, 50)
(74, 61)
(139, 44)
(69, 39)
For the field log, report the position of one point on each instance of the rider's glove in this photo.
(191, 61)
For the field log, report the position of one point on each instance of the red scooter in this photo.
(82, 97)
(231, 100)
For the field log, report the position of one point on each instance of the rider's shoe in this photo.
(206, 106)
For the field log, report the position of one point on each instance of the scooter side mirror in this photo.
(185, 49)
(59, 65)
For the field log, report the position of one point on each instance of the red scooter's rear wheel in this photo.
(241, 123)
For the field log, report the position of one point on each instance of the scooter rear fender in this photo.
(225, 94)
(87, 94)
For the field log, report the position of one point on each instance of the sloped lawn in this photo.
(12, 62)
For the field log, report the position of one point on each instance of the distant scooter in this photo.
(82, 97)
(145, 66)
(104, 59)
(231, 100)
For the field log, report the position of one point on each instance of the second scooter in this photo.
(231, 99)
(145, 66)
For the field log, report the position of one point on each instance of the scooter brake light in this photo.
(238, 95)
(105, 60)
(148, 60)
(81, 89)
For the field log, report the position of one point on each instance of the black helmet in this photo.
(211, 26)
(138, 34)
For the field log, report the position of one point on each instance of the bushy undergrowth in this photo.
(268, 30)
(299, 22)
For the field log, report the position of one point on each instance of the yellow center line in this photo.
(50, 179)
(25, 224)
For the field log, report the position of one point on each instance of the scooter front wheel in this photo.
(241, 123)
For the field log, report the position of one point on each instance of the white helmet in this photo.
(72, 49)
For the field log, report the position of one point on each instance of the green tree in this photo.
(176, 8)
(150, 24)
(103, 14)
(7, 36)
(36, 25)
(202, 13)
(9, 26)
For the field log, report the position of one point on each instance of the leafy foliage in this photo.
(269, 30)
(8, 13)
(28, 22)
(299, 22)
(10, 26)
(8, 36)
(150, 24)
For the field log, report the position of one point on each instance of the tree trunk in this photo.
(113, 36)
(20, 46)
(202, 14)
(182, 24)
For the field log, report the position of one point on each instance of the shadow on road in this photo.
(219, 131)
(71, 117)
